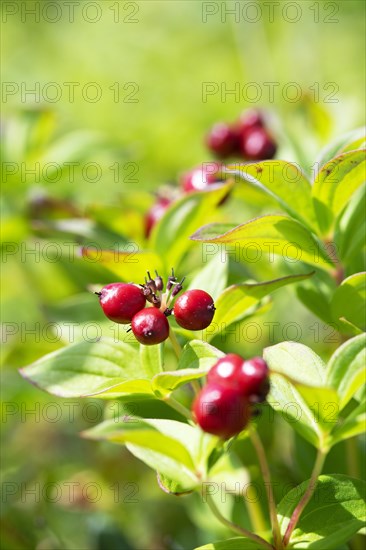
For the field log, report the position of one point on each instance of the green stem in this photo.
(318, 466)
(256, 515)
(196, 386)
(352, 457)
(178, 407)
(178, 351)
(257, 444)
(236, 528)
(353, 468)
(356, 543)
(175, 344)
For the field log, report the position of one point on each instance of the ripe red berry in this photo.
(200, 178)
(194, 310)
(257, 144)
(155, 213)
(121, 301)
(250, 120)
(249, 377)
(150, 326)
(222, 140)
(221, 410)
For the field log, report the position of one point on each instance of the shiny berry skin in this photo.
(155, 213)
(194, 310)
(150, 326)
(200, 178)
(249, 377)
(222, 140)
(220, 410)
(257, 144)
(121, 301)
(249, 120)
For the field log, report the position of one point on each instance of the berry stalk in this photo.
(175, 344)
(257, 444)
(179, 407)
(236, 528)
(318, 466)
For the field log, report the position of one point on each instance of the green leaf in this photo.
(151, 359)
(198, 444)
(130, 264)
(236, 543)
(354, 424)
(171, 487)
(233, 304)
(198, 355)
(316, 294)
(333, 515)
(285, 183)
(334, 185)
(350, 230)
(299, 392)
(165, 383)
(347, 142)
(104, 369)
(169, 237)
(349, 300)
(315, 301)
(271, 234)
(153, 446)
(212, 278)
(346, 368)
(163, 464)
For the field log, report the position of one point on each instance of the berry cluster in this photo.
(197, 179)
(223, 406)
(125, 303)
(247, 138)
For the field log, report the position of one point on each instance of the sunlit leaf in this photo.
(283, 181)
(272, 234)
(104, 369)
(333, 515)
(349, 300)
(346, 368)
(334, 185)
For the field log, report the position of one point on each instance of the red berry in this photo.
(155, 213)
(150, 326)
(221, 410)
(226, 371)
(250, 120)
(249, 377)
(222, 140)
(200, 178)
(257, 144)
(121, 301)
(194, 310)
(254, 380)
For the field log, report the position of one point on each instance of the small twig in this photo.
(175, 344)
(236, 528)
(306, 496)
(257, 444)
(179, 407)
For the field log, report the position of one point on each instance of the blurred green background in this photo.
(120, 86)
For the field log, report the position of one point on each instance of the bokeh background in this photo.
(125, 92)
